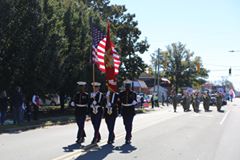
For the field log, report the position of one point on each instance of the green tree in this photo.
(126, 37)
(21, 42)
(179, 65)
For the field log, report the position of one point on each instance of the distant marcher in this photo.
(193, 97)
(81, 104)
(36, 105)
(219, 100)
(3, 106)
(206, 101)
(196, 102)
(174, 101)
(184, 102)
(17, 102)
(188, 102)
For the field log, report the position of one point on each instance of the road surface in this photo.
(160, 134)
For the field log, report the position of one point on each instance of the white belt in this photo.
(81, 105)
(127, 105)
(97, 106)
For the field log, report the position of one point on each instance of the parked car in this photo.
(138, 101)
(50, 100)
(147, 98)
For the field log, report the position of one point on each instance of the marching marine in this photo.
(128, 100)
(96, 110)
(81, 102)
(111, 113)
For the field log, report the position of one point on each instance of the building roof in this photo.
(140, 84)
(145, 75)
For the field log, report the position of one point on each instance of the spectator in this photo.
(156, 100)
(142, 101)
(152, 101)
(163, 99)
(28, 111)
(17, 102)
(36, 104)
(3, 106)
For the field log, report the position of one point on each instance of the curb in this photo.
(43, 123)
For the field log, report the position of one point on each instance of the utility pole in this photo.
(155, 76)
(158, 73)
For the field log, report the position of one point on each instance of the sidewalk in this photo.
(44, 122)
(61, 120)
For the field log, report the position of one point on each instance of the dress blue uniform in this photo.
(128, 101)
(110, 113)
(81, 103)
(96, 111)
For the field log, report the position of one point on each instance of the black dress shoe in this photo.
(78, 141)
(82, 140)
(93, 141)
(128, 142)
(97, 140)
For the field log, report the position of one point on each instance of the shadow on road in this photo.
(72, 147)
(126, 148)
(99, 153)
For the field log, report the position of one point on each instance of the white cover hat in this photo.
(96, 84)
(127, 81)
(81, 83)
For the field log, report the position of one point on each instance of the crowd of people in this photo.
(188, 99)
(19, 108)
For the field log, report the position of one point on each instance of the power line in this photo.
(220, 65)
(223, 70)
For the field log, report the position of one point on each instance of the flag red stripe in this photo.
(100, 52)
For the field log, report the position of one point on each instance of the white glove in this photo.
(109, 104)
(134, 102)
(72, 104)
(94, 102)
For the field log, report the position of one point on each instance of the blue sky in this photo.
(209, 28)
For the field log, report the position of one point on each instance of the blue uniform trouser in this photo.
(2, 116)
(96, 121)
(80, 119)
(110, 121)
(16, 115)
(128, 120)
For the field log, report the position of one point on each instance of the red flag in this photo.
(109, 63)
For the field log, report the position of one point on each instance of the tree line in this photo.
(45, 45)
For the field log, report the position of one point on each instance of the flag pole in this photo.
(94, 77)
(93, 63)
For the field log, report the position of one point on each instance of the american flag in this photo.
(98, 51)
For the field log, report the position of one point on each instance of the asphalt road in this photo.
(160, 134)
